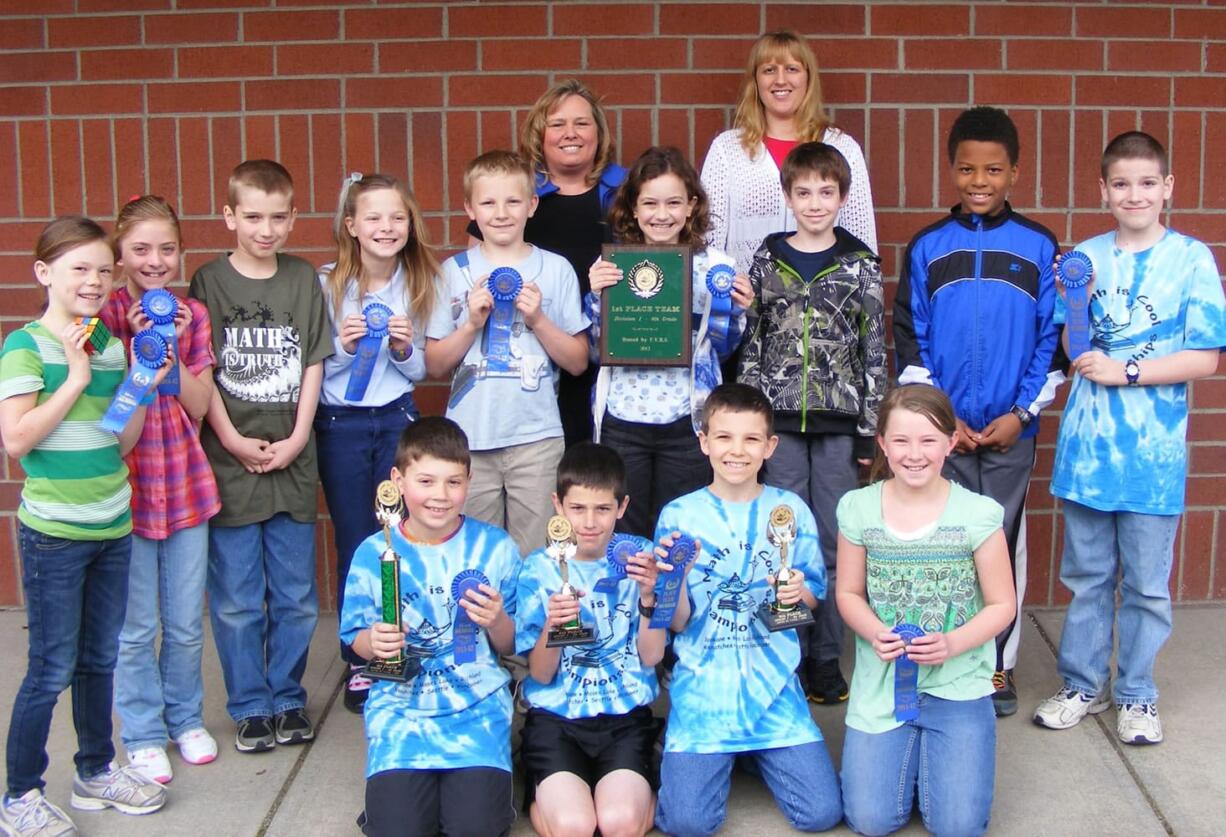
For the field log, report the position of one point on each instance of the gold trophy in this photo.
(780, 532)
(389, 510)
(561, 546)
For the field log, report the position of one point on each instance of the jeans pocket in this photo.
(40, 542)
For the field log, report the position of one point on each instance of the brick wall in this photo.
(102, 99)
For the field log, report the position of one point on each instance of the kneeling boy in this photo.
(735, 690)
(588, 738)
(439, 754)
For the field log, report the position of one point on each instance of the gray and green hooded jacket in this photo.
(817, 348)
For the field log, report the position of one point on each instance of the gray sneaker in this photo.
(121, 788)
(32, 815)
(1068, 706)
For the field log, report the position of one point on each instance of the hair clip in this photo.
(354, 177)
(135, 198)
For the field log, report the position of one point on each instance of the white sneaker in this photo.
(33, 815)
(197, 746)
(151, 762)
(1068, 706)
(1138, 723)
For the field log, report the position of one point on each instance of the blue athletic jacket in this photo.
(973, 315)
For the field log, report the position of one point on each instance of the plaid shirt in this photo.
(172, 485)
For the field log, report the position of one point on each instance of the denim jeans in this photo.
(694, 788)
(75, 593)
(263, 608)
(949, 753)
(356, 450)
(160, 694)
(1097, 547)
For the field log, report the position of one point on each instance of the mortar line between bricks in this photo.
(1113, 740)
(300, 761)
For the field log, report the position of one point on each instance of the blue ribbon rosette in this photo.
(151, 352)
(1076, 271)
(620, 550)
(719, 284)
(906, 676)
(668, 588)
(161, 307)
(464, 629)
(377, 316)
(504, 283)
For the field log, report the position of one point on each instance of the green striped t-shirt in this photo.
(76, 482)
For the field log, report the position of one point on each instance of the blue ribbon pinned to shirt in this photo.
(1076, 271)
(906, 676)
(719, 283)
(151, 352)
(464, 629)
(161, 307)
(668, 592)
(504, 283)
(377, 316)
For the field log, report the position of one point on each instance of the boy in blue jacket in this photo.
(973, 316)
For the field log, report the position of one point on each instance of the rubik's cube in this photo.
(96, 334)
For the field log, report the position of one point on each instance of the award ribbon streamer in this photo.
(719, 283)
(668, 588)
(504, 283)
(151, 352)
(1075, 271)
(464, 629)
(619, 551)
(161, 307)
(377, 315)
(906, 676)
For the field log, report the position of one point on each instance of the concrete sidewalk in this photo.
(1081, 781)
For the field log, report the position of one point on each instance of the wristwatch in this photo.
(1132, 372)
(645, 611)
(1023, 415)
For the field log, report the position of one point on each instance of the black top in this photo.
(807, 265)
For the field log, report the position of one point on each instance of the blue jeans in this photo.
(1097, 547)
(263, 608)
(694, 788)
(356, 448)
(75, 593)
(161, 695)
(949, 752)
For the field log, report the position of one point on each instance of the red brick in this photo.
(1112, 22)
(912, 20)
(42, 7)
(226, 152)
(35, 171)
(1201, 24)
(1209, 228)
(1142, 91)
(1039, 559)
(1018, 89)
(1215, 162)
(108, 64)
(195, 171)
(461, 136)
(649, 53)
(471, 90)
(1157, 123)
(10, 584)
(129, 158)
(99, 182)
(23, 33)
(178, 29)
(532, 54)
(1048, 54)
(295, 150)
(921, 88)
(673, 127)
(24, 302)
(858, 53)
(1197, 555)
(1219, 562)
(882, 154)
(1153, 56)
(260, 137)
(920, 158)
(1186, 158)
(1015, 19)
(620, 88)
(495, 21)
(208, 235)
(1200, 91)
(428, 57)
(604, 19)
(388, 24)
(298, 94)
(77, 99)
(291, 26)
(699, 88)
(23, 101)
(635, 132)
(498, 129)
(79, 31)
(67, 187)
(707, 123)
(1119, 121)
(220, 4)
(225, 62)
(9, 188)
(819, 23)
(386, 92)
(360, 143)
(393, 147)
(18, 67)
(19, 236)
(1053, 177)
(954, 54)
(312, 60)
(163, 168)
(709, 19)
(1215, 58)
(195, 97)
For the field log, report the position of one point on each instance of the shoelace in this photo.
(998, 680)
(37, 813)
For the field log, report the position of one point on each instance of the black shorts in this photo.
(591, 748)
(425, 803)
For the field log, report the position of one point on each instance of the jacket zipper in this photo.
(975, 382)
(804, 338)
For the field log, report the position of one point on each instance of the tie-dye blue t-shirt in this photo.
(1125, 448)
(449, 715)
(734, 686)
(604, 677)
